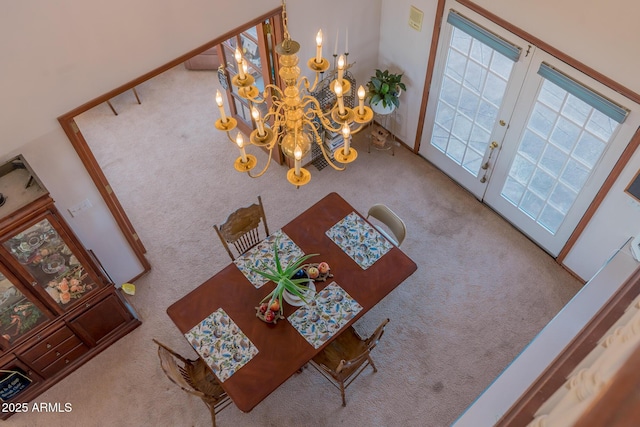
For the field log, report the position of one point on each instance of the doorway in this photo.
(524, 132)
(71, 129)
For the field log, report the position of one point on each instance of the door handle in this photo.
(485, 165)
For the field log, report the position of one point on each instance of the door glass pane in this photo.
(49, 260)
(563, 141)
(18, 315)
(474, 83)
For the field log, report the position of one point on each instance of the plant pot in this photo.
(380, 109)
(295, 300)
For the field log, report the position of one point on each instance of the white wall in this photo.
(602, 35)
(58, 55)
(406, 50)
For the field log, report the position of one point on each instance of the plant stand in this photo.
(381, 136)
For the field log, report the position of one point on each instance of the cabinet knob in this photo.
(66, 361)
(34, 284)
(57, 354)
(48, 346)
(87, 305)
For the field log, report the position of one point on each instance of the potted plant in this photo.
(383, 91)
(291, 279)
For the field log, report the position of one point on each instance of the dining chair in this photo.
(194, 377)
(241, 229)
(391, 220)
(344, 359)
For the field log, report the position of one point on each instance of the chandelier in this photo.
(295, 119)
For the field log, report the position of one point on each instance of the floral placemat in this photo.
(221, 344)
(262, 255)
(326, 314)
(358, 239)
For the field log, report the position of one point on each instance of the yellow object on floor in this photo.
(129, 288)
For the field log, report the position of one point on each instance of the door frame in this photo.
(630, 149)
(67, 121)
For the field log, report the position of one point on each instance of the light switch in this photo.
(76, 210)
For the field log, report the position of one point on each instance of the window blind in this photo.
(597, 101)
(495, 42)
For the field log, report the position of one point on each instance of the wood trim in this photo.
(90, 162)
(623, 90)
(433, 50)
(522, 412)
(161, 69)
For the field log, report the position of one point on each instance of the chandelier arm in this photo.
(322, 116)
(324, 152)
(329, 161)
(265, 167)
(274, 88)
(307, 84)
(230, 138)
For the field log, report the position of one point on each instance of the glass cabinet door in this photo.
(18, 315)
(51, 263)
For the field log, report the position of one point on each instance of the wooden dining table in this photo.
(282, 350)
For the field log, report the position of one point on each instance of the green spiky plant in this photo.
(282, 277)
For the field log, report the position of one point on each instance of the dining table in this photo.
(260, 356)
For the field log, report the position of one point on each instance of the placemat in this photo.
(326, 314)
(221, 343)
(358, 239)
(262, 255)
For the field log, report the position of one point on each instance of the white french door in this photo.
(527, 134)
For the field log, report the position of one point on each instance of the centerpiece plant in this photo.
(287, 279)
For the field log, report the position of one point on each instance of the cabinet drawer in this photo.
(56, 352)
(64, 360)
(47, 343)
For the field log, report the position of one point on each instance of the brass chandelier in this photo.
(295, 118)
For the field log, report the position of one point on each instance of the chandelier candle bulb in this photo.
(223, 116)
(244, 69)
(338, 91)
(239, 61)
(319, 47)
(346, 134)
(340, 69)
(361, 94)
(240, 142)
(256, 116)
(335, 49)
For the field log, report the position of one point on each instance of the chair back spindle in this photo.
(242, 229)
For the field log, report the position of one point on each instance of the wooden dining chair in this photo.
(194, 377)
(242, 229)
(344, 359)
(391, 220)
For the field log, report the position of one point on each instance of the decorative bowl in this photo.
(322, 276)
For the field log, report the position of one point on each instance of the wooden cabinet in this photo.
(58, 308)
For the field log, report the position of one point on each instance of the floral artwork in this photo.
(358, 239)
(221, 344)
(51, 262)
(325, 315)
(19, 319)
(261, 257)
(69, 287)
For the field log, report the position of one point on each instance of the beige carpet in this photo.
(481, 293)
